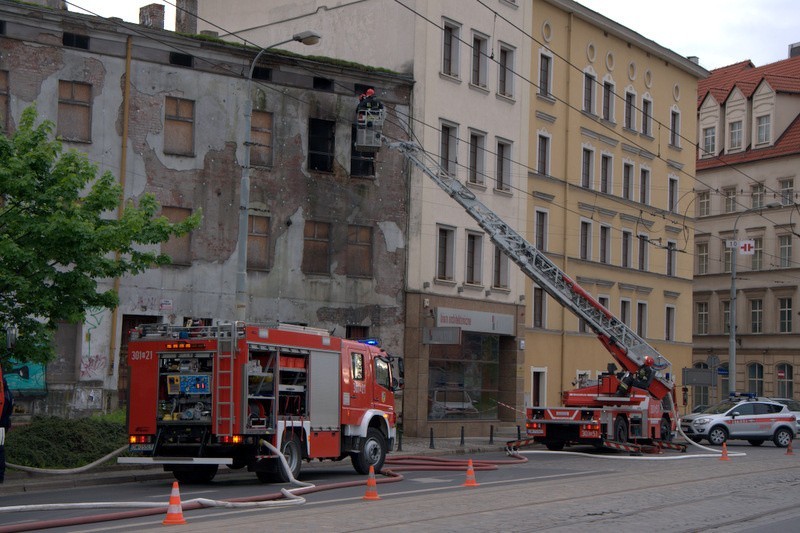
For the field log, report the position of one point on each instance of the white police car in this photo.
(750, 419)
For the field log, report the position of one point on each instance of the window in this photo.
(630, 111)
(701, 312)
(643, 252)
(178, 248)
(445, 248)
(702, 258)
(316, 247)
(675, 129)
(545, 74)
(605, 244)
(500, 270)
(450, 49)
(479, 60)
(729, 193)
(784, 373)
(756, 315)
(784, 315)
(763, 129)
(74, 40)
(736, 135)
(257, 242)
(543, 156)
(178, 126)
(672, 195)
(586, 168)
(757, 259)
(74, 111)
(755, 379)
(540, 231)
(608, 101)
(727, 256)
(588, 92)
(757, 196)
(503, 177)
(357, 366)
(669, 323)
(647, 117)
(362, 164)
(627, 248)
(726, 317)
(359, 251)
(627, 181)
(700, 392)
(625, 312)
(538, 307)
(703, 203)
(605, 173)
(672, 253)
(644, 186)
(321, 144)
(182, 60)
(474, 256)
(477, 150)
(586, 241)
(505, 73)
(785, 250)
(641, 319)
(786, 187)
(709, 142)
(261, 139)
(3, 101)
(447, 150)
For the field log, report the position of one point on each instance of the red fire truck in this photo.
(235, 393)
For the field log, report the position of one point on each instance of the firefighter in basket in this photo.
(642, 378)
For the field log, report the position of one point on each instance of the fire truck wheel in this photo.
(621, 429)
(372, 453)
(718, 435)
(666, 430)
(293, 454)
(198, 475)
(555, 445)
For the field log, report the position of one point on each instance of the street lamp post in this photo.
(732, 311)
(307, 38)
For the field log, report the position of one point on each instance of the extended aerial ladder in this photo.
(625, 346)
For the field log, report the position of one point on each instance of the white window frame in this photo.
(709, 142)
(504, 157)
(543, 167)
(764, 129)
(735, 137)
(450, 251)
(453, 46)
(586, 232)
(589, 91)
(476, 170)
(482, 67)
(546, 88)
(647, 116)
(505, 70)
(473, 240)
(449, 163)
(630, 109)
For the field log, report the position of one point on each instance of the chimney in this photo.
(794, 50)
(152, 16)
(694, 59)
(186, 16)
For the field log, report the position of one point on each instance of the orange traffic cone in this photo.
(789, 449)
(372, 486)
(724, 456)
(470, 482)
(174, 511)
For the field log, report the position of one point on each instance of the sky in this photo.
(718, 32)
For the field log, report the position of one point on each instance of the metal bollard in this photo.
(491, 434)
(432, 446)
(399, 439)
(462, 436)
(519, 433)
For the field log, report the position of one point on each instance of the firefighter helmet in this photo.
(648, 361)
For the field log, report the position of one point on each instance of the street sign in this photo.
(747, 247)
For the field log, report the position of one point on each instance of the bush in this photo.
(53, 442)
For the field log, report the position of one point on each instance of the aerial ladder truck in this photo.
(615, 411)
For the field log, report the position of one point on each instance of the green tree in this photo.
(59, 236)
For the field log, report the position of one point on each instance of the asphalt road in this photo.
(756, 492)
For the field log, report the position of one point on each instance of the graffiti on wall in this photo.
(26, 378)
(92, 366)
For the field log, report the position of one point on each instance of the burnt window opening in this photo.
(323, 84)
(75, 40)
(361, 88)
(321, 137)
(2, 27)
(262, 73)
(183, 60)
(362, 164)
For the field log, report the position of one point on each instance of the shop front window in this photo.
(463, 379)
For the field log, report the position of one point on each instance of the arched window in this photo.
(784, 375)
(700, 392)
(755, 379)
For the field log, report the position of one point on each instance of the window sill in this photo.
(480, 88)
(508, 98)
(479, 186)
(504, 192)
(546, 97)
(450, 77)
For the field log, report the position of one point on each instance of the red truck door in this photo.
(356, 382)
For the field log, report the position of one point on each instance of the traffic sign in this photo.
(747, 247)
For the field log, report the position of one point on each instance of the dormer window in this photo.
(763, 129)
(709, 142)
(735, 135)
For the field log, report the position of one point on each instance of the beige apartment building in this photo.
(746, 205)
(612, 155)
